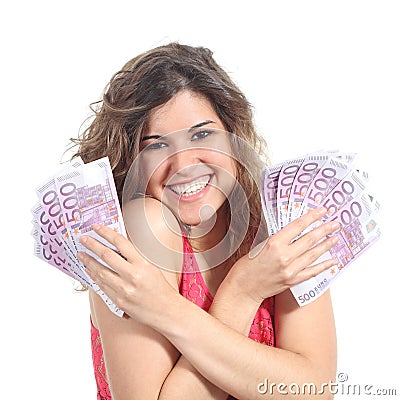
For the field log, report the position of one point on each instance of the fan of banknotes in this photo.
(70, 202)
(322, 179)
(80, 195)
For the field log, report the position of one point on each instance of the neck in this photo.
(209, 233)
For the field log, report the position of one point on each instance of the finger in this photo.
(104, 277)
(106, 254)
(310, 239)
(119, 241)
(296, 227)
(312, 272)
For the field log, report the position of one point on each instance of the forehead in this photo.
(183, 111)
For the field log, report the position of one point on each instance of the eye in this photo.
(201, 135)
(155, 146)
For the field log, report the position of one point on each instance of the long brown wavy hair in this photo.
(151, 80)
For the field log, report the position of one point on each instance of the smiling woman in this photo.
(186, 160)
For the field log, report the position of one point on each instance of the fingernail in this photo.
(334, 239)
(83, 239)
(335, 225)
(96, 227)
(322, 210)
(333, 263)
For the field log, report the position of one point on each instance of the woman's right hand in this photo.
(280, 263)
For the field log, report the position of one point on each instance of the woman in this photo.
(204, 319)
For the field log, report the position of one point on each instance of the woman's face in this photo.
(185, 158)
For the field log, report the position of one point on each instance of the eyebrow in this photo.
(191, 129)
(200, 124)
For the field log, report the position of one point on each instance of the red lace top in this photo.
(192, 287)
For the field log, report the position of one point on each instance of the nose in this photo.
(183, 162)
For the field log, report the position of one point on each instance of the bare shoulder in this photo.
(155, 232)
(308, 330)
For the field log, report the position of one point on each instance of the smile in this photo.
(191, 188)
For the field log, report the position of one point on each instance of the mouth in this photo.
(188, 189)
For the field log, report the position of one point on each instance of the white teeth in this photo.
(191, 188)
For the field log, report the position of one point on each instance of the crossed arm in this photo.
(170, 348)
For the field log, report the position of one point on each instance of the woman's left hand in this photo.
(135, 285)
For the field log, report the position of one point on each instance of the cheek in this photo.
(229, 175)
(148, 165)
(156, 177)
(232, 167)
(152, 179)
(226, 165)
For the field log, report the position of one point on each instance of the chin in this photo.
(201, 218)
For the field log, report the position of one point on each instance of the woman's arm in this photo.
(306, 353)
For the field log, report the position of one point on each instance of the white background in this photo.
(320, 74)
